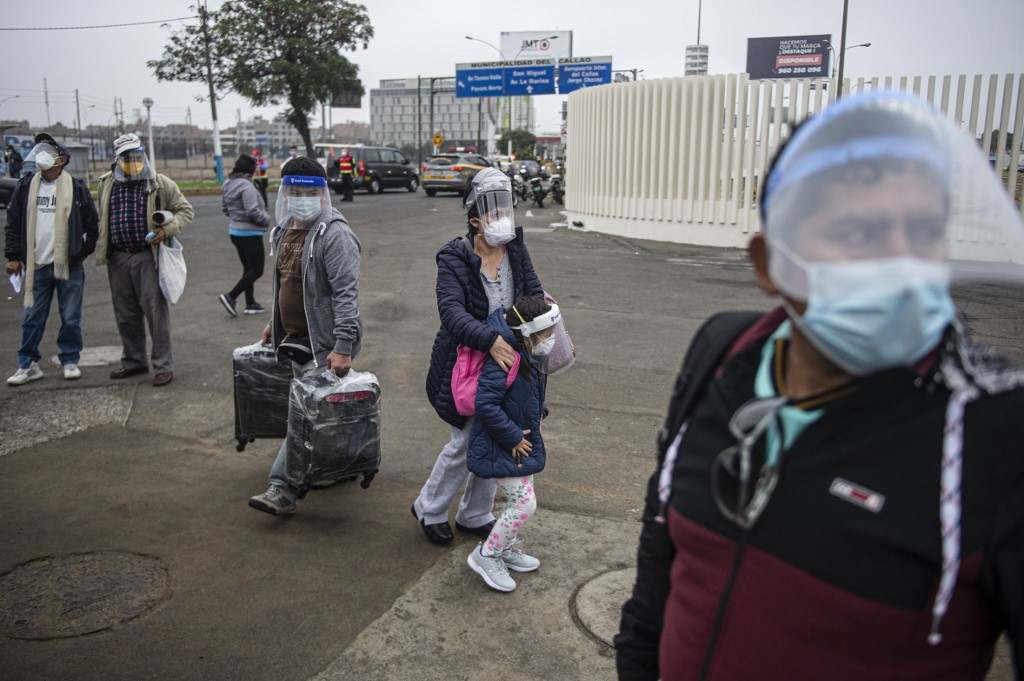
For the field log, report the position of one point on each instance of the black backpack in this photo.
(703, 357)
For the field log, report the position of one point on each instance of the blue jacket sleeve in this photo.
(489, 395)
(451, 304)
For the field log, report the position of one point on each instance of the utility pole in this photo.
(842, 51)
(238, 131)
(78, 116)
(323, 122)
(419, 122)
(46, 98)
(188, 133)
(148, 103)
(218, 155)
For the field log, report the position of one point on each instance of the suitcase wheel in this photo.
(367, 479)
(240, 445)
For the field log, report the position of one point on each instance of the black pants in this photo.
(261, 187)
(346, 186)
(250, 252)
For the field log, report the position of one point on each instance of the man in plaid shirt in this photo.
(129, 196)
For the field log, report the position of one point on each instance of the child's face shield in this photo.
(301, 199)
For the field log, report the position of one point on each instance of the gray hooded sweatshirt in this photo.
(242, 204)
(330, 286)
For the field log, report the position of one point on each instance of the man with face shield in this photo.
(838, 484)
(477, 274)
(51, 229)
(139, 208)
(315, 317)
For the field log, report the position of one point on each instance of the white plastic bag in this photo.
(171, 269)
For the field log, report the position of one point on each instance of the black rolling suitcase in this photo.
(262, 383)
(334, 427)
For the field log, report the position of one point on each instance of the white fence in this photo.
(681, 159)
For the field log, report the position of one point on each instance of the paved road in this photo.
(100, 466)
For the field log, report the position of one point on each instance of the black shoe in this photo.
(484, 531)
(254, 308)
(128, 373)
(229, 304)
(440, 533)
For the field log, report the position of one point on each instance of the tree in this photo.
(273, 51)
(524, 144)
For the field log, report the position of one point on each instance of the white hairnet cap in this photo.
(883, 175)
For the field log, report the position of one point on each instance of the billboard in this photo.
(536, 44)
(797, 56)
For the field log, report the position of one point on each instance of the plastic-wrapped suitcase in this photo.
(262, 384)
(334, 427)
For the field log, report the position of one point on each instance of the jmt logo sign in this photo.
(542, 45)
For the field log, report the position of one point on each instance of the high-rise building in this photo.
(462, 121)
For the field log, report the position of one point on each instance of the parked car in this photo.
(377, 168)
(451, 172)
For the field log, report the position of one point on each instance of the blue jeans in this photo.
(69, 302)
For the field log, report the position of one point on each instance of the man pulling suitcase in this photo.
(314, 253)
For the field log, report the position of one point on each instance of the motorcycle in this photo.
(556, 189)
(537, 191)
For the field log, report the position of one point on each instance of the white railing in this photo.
(681, 159)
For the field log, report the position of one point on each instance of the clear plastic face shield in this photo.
(873, 210)
(132, 165)
(491, 194)
(43, 156)
(883, 177)
(538, 333)
(301, 199)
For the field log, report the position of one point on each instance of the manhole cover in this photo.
(78, 594)
(597, 605)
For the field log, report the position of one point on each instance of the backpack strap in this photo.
(705, 354)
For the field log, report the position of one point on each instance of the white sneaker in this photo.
(492, 569)
(516, 560)
(23, 376)
(71, 372)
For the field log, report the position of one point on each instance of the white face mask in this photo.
(305, 208)
(500, 231)
(544, 348)
(44, 161)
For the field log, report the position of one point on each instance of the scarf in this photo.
(65, 195)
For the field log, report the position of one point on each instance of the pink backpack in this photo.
(469, 364)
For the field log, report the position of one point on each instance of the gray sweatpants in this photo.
(135, 292)
(447, 477)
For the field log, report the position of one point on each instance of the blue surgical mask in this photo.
(871, 315)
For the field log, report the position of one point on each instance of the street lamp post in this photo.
(7, 99)
(148, 103)
(832, 49)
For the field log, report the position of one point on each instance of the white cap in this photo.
(126, 143)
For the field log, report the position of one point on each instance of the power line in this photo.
(77, 28)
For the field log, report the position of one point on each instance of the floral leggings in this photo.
(520, 504)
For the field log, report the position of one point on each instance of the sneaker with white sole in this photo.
(491, 569)
(72, 372)
(275, 501)
(229, 304)
(22, 376)
(518, 561)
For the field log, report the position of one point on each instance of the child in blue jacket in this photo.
(505, 443)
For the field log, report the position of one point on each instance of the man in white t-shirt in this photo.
(52, 227)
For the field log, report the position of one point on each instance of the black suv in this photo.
(377, 169)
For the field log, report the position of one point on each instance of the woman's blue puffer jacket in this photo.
(462, 304)
(502, 414)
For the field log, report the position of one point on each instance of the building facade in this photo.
(462, 121)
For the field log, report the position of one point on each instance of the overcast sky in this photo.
(909, 37)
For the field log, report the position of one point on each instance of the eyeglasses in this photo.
(731, 470)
